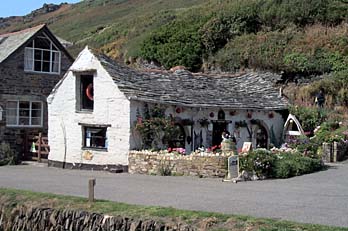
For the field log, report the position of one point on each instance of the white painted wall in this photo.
(196, 114)
(110, 107)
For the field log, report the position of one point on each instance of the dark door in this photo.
(261, 137)
(218, 129)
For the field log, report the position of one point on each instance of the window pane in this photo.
(37, 66)
(23, 120)
(38, 54)
(11, 120)
(36, 121)
(46, 56)
(28, 59)
(36, 113)
(46, 66)
(11, 113)
(55, 61)
(95, 137)
(24, 105)
(36, 105)
(55, 67)
(87, 92)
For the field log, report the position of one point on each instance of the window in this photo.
(95, 137)
(24, 113)
(41, 55)
(85, 96)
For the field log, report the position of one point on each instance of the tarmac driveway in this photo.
(319, 198)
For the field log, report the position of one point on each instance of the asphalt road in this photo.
(320, 198)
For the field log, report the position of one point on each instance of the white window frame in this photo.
(30, 49)
(30, 114)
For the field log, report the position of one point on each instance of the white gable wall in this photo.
(111, 107)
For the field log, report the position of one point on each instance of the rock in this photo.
(244, 176)
(254, 177)
(206, 223)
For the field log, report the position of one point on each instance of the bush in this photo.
(308, 117)
(176, 43)
(291, 164)
(259, 161)
(7, 156)
(279, 165)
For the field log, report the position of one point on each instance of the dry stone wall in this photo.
(171, 164)
(336, 151)
(47, 219)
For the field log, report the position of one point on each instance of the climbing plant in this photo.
(154, 127)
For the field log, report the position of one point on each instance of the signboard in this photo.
(233, 167)
(246, 147)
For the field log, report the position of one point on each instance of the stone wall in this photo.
(172, 164)
(336, 151)
(47, 219)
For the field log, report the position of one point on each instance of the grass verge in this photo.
(11, 198)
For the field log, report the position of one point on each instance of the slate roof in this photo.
(10, 42)
(182, 88)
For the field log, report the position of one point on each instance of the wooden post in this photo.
(91, 184)
(39, 148)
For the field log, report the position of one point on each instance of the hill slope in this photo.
(298, 38)
(115, 26)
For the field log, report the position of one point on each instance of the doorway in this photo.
(261, 137)
(218, 128)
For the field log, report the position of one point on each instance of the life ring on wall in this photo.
(89, 91)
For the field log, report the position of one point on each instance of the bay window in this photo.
(24, 113)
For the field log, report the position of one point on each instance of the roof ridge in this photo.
(22, 31)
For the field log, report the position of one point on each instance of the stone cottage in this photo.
(94, 109)
(32, 61)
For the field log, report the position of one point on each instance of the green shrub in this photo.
(291, 164)
(260, 161)
(176, 43)
(7, 156)
(308, 117)
(278, 165)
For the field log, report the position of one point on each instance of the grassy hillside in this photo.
(115, 26)
(298, 38)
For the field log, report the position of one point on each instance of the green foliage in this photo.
(165, 169)
(278, 165)
(291, 164)
(154, 127)
(308, 117)
(7, 156)
(12, 198)
(176, 43)
(261, 161)
(224, 26)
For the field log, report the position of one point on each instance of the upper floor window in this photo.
(85, 92)
(41, 55)
(24, 113)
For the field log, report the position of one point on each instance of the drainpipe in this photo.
(65, 145)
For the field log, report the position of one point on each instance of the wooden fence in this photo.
(40, 148)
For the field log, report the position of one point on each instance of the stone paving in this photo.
(319, 198)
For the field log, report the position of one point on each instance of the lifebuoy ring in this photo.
(89, 91)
